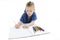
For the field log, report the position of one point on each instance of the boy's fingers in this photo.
(16, 26)
(25, 27)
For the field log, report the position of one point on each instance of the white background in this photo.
(48, 13)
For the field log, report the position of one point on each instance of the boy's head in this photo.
(30, 8)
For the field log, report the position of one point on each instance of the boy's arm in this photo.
(29, 24)
(25, 25)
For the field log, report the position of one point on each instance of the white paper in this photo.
(21, 32)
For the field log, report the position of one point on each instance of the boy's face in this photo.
(29, 10)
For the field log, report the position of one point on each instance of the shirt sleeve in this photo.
(22, 18)
(34, 17)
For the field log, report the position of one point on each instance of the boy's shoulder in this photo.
(34, 14)
(24, 14)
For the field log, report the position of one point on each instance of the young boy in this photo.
(28, 18)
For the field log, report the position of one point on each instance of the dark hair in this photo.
(30, 4)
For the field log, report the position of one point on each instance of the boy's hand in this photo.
(25, 26)
(16, 26)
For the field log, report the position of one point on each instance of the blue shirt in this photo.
(25, 19)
